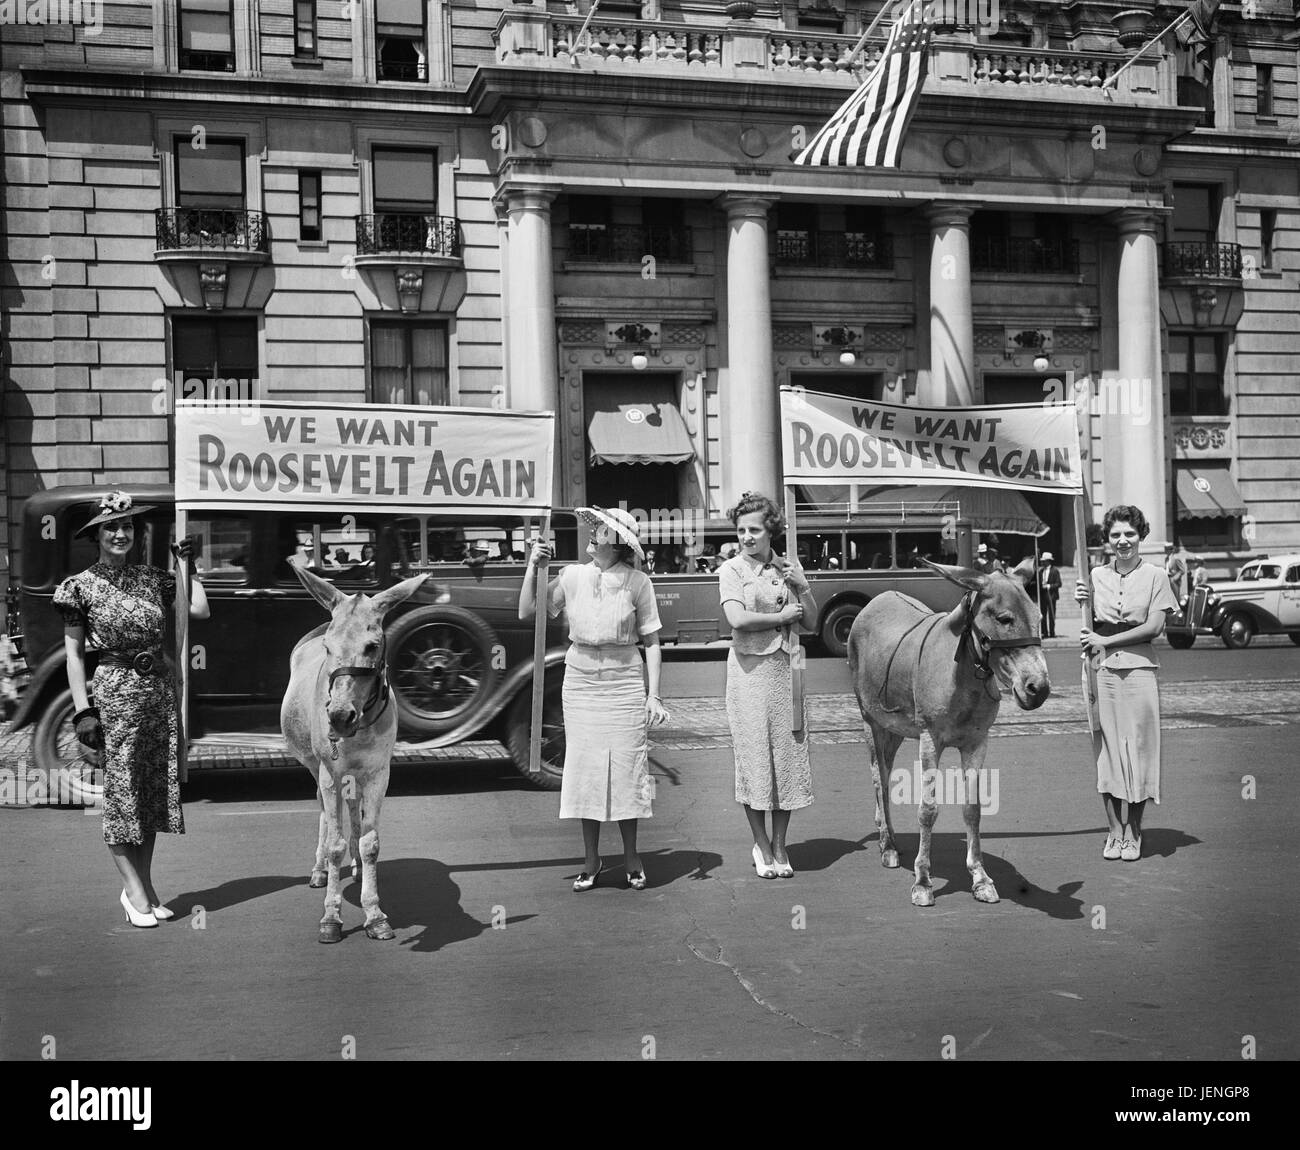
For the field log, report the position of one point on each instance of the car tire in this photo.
(1236, 631)
(70, 781)
(1180, 641)
(443, 667)
(519, 716)
(836, 627)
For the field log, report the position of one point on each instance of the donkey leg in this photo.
(372, 797)
(922, 889)
(336, 845)
(883, 746)
(318, 875)
(972, 765)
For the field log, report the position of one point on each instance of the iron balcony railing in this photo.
(1024, 256)
(1193, 260)
(203, 229)
(629, 243)
(834, 250)
(386, 232)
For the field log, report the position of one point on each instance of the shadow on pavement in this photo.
(233, 893)
(821, 854)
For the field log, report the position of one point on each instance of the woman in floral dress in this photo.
(133, 721)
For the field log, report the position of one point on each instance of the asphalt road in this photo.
(1186, 954)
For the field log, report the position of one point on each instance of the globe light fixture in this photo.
(847, 358)
(640, 361)
(1041, 363)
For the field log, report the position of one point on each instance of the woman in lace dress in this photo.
(133, 720)
(764, 596)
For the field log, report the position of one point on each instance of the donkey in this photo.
(339, 721)
(939, 677)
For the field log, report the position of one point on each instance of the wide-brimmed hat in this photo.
(1047, 557)
(621, 522)
(116, 505)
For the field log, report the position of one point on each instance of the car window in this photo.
(225, 543)
(870, 550)
(338, 549)
(1293, 574)
(1261, 571)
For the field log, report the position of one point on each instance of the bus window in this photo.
(870, 550)
(929, 545)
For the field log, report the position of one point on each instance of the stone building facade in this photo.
(433, 201)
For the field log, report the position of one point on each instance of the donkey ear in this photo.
(322, 590)
(966, 577)
(390, 597)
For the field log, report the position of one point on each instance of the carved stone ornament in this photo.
(213, 279)
(410, 287)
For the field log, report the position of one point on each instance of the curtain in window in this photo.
(388, 364)
(429, 356)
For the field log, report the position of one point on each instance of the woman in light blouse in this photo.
(1130, 602)
(609, 605)
(764, 596)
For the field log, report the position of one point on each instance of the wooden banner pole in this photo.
(539, 656)
(797, 655)
(1083, 415)
(182, 654)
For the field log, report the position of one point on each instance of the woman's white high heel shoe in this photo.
(161, 913)
(134, 917)
(764, 870)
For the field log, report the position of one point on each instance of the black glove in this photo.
(186, 549)
(90, 731)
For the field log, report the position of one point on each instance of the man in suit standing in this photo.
(1049, 591)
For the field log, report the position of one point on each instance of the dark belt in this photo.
(141, 662)
(1101, 627)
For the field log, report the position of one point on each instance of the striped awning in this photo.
(1207, 492)
(628, 426)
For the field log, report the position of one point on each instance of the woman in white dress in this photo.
(609, 605)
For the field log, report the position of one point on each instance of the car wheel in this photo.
(1237, 631)
(70, 781)
(519, 720)
(836, 627)
(442, 663)
(1179, 640)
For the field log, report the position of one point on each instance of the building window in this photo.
(589, 223)
(1267, 226)
(408, 363)
(211, 176)
(1263, 89)
(304, 29)
(996, 247)
(400, 40)
(1196, 375)
(309, 225)
(211, 348)
(207, 35)
(666, 236)
(662, 232)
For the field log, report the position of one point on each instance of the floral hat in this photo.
(115, 505)
(621, 522)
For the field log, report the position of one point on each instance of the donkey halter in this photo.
(980, 644)
(379, 693)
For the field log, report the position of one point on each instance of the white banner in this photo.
(831, 440)
(279, 454)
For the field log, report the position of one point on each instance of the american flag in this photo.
(868, 129)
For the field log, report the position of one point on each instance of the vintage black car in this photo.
(460, 668)
(1264, 599)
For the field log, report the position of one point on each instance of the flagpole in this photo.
(578, 39)
(862, 40)
(1142, 51)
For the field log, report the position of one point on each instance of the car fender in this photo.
(48, 679)
(1264, 621)
(509, 687)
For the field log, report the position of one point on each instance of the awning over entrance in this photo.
(988, 509)
(1207, 492)
(627, 426)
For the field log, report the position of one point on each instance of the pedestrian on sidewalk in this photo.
(133, 718)
(764, 597)
(610, 605)
(1049, 588)
(1130, 602)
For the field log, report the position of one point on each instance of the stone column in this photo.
(533, 377)
(951, 382)
(1133, 419)
(748, 398)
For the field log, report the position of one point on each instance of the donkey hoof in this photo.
(985, 892)
(379, 929)
(331, 932)
(922, 895)
(318, 879)
(889, 858)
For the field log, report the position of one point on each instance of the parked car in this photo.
(460, 668)
(1264, 599)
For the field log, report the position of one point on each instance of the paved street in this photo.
(1176, 957)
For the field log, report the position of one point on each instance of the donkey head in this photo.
(1002, 625)
(356, 650)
